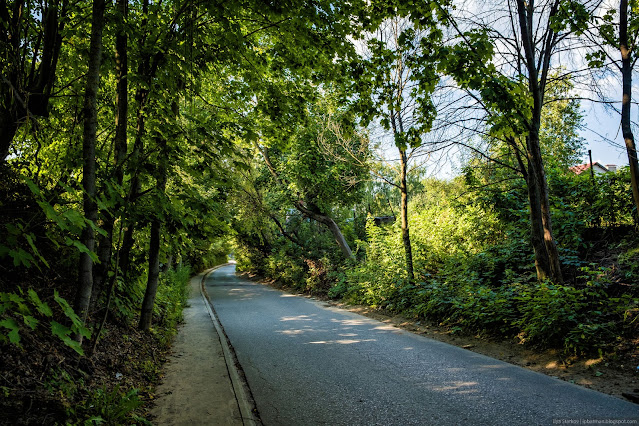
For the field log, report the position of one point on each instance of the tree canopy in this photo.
(140, 139)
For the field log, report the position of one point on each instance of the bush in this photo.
(286, 270)
(172, 296)
(582, 319)
(488, 289)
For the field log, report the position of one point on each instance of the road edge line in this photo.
(244, 402)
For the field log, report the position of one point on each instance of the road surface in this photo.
(307, 363)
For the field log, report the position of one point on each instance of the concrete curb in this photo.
(240, 387)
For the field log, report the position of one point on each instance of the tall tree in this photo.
(146, 313)
(90, 113)
(505, 66)
(120, 146)
(614, 48)
(537, 186)
(626, 47)
(393, 84)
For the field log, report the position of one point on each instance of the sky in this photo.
(602, 134)
(601, 127)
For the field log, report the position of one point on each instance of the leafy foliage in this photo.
(476, 272)
(212, 90)
(14, 307)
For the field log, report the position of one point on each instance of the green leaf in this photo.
(12, 325)
(21, 257)
(82, 248)
(41, 306)
(66, 308)
(30, 238)
(11, 297)
(75, 218)
(64, 333)
(78, 325)
(30, 321)
(32, 186)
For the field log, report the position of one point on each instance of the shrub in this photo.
(172, 296)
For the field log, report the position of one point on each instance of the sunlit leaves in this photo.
(470, 61)
(596, 59)
(398, 69)
(571, 15)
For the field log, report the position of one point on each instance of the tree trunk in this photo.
(542, 262)
(101, 270)
(146, 314)
(403, 188)
(546, 261)
(105, 249)
(122, 88)
(125, 252)
(339, 238)
(85, 279)
(332, 226)
(169, 263)
(626, 73)
(546, 221)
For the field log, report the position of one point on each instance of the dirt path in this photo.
(197, 388)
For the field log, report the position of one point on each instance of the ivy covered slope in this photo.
(47, 375)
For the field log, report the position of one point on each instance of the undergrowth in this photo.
(111, 386)
(481, 288)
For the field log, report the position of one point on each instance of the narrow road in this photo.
(311, 364)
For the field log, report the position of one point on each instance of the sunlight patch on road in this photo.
(242, 294)
(386, 327)
(350, 321)
(340, 342)
(459, 387)
(293, 332)
(297, 318)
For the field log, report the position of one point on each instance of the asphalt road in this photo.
(307, 363)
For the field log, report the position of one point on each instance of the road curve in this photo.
(311, 364)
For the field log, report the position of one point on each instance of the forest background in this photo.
(142, 141)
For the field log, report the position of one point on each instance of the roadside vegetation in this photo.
(474, 267)
(142, 142)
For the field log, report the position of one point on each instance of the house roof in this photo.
(597, 166)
